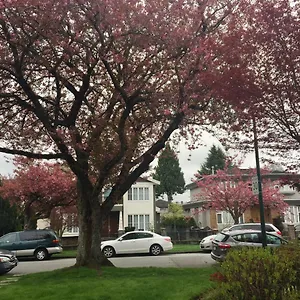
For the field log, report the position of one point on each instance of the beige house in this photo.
(218, 220)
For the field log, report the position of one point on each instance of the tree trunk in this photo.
(90, 222)
(170, 198)
(236, 219)
(30, 220)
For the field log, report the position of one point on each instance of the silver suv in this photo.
(253, 226)
(224, 241)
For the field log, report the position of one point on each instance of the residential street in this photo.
(187, 260)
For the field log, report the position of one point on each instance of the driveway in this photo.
(187, 260)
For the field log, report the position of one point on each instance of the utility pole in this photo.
(259, 186)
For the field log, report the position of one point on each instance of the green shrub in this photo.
(291, 251)
(257, 274)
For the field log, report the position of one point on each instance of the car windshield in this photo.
(221, 237)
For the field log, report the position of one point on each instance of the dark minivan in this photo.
(38, 243)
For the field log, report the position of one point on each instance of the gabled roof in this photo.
(271, 175)
(148, 179)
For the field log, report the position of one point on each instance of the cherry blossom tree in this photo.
(258, 62)
(37, 188)
(230, 190)
(102, 85)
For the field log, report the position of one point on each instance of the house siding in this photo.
(140, 207)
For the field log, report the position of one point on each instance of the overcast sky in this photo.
(6, 166)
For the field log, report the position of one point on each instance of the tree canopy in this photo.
(38, 188)
(215, 160)
(175, 217)
(169, 174)
(102, 85)
(258, 62)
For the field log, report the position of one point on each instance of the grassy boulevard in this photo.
(112, 283)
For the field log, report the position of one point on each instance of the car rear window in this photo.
(269, 228)
(221, 237)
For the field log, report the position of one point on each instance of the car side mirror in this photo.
(120, 239)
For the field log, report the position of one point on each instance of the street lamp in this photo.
(260, 196)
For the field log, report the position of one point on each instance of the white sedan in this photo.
(206, 243)
(137, 242)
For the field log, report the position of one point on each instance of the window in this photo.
(147, 194)
(130, 236)
(247, 238)
(72, 223)
(43, 235)
(147, 222)
(221, 237)
(241, 219)
(141, 222)
(144, 235)
(135, 194)
(130, 221)
(219, 218)
(9, 238)
(141, 193)
(130, 194)
(136, 221)
(224, 217)
(28, 236)
(274, 240)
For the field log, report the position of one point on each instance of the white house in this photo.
(137, 209)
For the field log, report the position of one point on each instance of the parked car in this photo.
(206, 243)
(7, 261)
(242, 238)
(137, 242)
(254, 226)
(38, 243)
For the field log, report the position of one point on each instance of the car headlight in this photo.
(4, 259)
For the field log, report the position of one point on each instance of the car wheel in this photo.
(155, 249)
(41, 254)
(108, 251)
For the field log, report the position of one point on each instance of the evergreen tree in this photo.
(169, 173)
(9, 218)
(215, 161)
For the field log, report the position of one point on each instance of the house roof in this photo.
(162, 203)
(272, 176)
(148, 179)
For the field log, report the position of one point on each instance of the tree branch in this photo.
(32, 154)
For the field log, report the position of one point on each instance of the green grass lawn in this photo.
(185, 248)
(177, 248)
(111, 284)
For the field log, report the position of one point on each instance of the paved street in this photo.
(190, 260)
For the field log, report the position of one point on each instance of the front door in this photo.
(127, 244)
